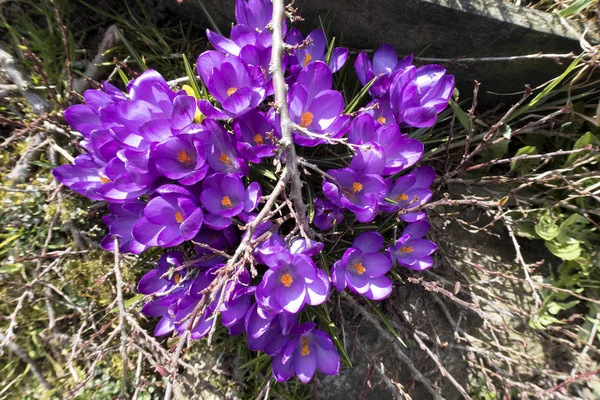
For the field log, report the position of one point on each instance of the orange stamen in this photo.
(226, 202)
(225, 159)
(306, 119)
(104, 179)
(258, 139)
(305, 350)
(360, 268)
(381, 120)
(356, 187)
(231, 91)
(287, 280)
(307, 59)
(177, 278)
(183, 157)
(178, 217)
(402, 197)
(405, 250)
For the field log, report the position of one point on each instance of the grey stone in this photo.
(435, 29)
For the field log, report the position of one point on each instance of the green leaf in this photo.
(576, 8)
(587, 138)
(386, 322)
(190, 73)
(461, 115)
(352, 105)
(546, 228)
(493, 152)
(554, 307)
(554, 83)
(323, 316)
(527, 229)
(329, 51)
(132, 51)
(524, 166)
(124, 77)
(566, 250)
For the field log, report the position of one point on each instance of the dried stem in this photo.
(122, 318)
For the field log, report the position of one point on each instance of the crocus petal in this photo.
(368, 242)
(305, 365)
(379, 288)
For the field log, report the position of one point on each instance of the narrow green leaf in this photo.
(323, 316)
(124, 77)
(132, 51)
(329, 51)
(357, 99)
(576, 8)
(555, 82)
(190, 73)
(587, 138)
(386, 322)
(461, 115)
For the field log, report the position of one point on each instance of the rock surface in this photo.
(447, 29)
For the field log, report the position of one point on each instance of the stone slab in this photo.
(435, 29)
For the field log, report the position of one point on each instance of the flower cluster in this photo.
(175, 169)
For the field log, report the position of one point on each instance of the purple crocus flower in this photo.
(308, 350)
(417, 95)
(222, 155)
(411, 250)
(360, 187)
(363, 268)
(171, 217)
(254, 13)
(317, 51)
(410, 191)
(181, 158)
(381, 110)
(255, 136)
(266, 331)
(291, 281)
(224, 197)
(236, 85)
(400, 150)
(160, 280)
(251, 46)
(326, 214)
(315, 107)
(84, 177)
(120, 223)
(385, 63)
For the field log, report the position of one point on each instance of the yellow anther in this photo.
(306, 119)
(307, 59)
(356, 187)
(178, 217)
(287, 280)
(177, 278)
(231, 91)
(183, 157)
(225, 159)
(104, 179)
(381, 120)
(360, 268)
(226, 202)
(406, 250)
(305, 350)
(258, 139)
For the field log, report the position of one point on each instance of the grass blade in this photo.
(132, 51)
